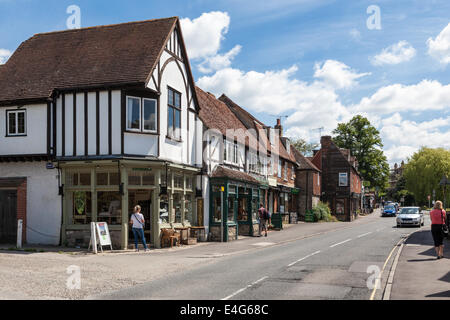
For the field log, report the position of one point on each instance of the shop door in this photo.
(8, 216)
(142, 198)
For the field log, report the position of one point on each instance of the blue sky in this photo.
(311, 60)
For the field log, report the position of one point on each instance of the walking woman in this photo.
(138, 222)
(437, 216)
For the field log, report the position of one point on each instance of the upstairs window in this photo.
(174, 114)
(231, 152)
(141, 114)
(16, 123)
(279, 169)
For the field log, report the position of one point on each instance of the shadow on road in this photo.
(443, 294)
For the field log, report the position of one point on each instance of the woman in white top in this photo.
(137, 219)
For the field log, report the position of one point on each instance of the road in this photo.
(333, 265)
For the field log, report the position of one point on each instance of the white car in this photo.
(410, 216)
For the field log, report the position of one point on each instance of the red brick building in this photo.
(341, 181)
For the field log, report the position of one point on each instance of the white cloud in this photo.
(439, 48)
(212, 26)
(395, 54)
(337, 74)
(219, 61)
(4, 55)
(406, 137)
(426, 95)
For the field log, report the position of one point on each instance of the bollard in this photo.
(19, 233)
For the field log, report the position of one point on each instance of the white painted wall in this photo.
(43, 202)
(35, 142)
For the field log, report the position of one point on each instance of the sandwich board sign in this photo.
(100, 236)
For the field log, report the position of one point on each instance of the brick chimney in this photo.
(279, 127)
(325, 141)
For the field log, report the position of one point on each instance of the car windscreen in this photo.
(389, 208)
(409, 211)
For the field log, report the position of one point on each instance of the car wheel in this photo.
(398, 226)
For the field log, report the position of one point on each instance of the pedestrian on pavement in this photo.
(264, 217)
(438, 216)
(138, 222)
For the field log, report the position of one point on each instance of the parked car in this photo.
(389, 211)
(410, 216)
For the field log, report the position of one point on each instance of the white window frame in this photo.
(346, 177)
(285, 171)
(16, 112)
(280, 169)
(140, 114)
(156, 115)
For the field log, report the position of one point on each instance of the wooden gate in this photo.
(8, 216)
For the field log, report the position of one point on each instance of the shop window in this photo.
(109, 207)
(102, 179)
(242, 209)
(340, 206)
(78, 179)
(177, 218)
(81, 207)
(189, 183)
(254, 208)
(178, 182)
(164, 211)
(107, 179)
(231, 208)
(114, 178)
(282, 204)
(148, 179)
(217, 207)
(232, 188)
(134, 178)
(189, 209)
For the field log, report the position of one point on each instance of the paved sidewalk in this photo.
(419, 275)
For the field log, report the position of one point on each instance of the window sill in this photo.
(15, 135)
(174, 139)
(143, 132)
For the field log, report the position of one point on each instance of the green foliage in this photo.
(424, 171)
(305, 148)
(322, 213)
(365, 144)
(400, 191)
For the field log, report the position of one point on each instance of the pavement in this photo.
(419, 275)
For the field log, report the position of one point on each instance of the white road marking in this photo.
(243, 289)
(379, 229)
(364, 234)
(336, 244)
(301, 259)
(262, 244)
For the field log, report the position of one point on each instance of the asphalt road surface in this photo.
(336, 265)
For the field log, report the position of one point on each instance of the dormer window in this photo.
(141, 115)
(16, 122)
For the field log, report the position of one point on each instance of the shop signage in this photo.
(295, 191)
(50, 165)
(99, 236)
(272, 181)
(343, 179)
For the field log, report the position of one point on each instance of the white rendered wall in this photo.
(43, 202)
(35, 142)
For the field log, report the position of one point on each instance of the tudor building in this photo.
(115, 110)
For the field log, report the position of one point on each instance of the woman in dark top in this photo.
(437, 216)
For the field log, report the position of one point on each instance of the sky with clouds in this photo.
(314, 63)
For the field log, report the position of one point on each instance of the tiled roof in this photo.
(216, 115)
(252, 123)
(303, 162)
(223, 172)
(95, 56)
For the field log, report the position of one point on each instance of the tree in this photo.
(365, 144)
(304, 147)
(424, 171)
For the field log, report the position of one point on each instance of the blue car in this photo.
(389, 211)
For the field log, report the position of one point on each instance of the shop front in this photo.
(234, 209)
(108, 190)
